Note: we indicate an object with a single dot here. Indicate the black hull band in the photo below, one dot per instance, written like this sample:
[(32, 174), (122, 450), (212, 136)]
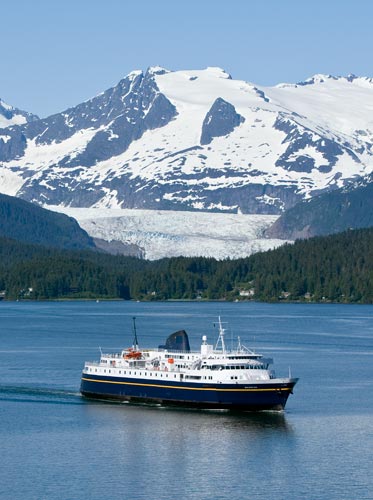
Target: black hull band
[(218, 397)]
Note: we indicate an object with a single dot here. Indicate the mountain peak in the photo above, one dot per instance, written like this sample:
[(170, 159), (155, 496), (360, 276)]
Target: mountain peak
[(157, 70), (133, 74), (318, 78), (5, 105), (218, 72), (10, 115)]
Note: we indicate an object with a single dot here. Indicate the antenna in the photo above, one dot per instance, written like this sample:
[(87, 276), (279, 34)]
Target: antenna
[(135, 341), (239, 347)]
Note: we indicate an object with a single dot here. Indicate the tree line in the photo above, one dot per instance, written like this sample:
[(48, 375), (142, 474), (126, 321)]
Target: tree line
[(337, 268)]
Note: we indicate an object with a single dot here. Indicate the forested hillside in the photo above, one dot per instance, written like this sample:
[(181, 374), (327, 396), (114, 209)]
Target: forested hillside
[(327, 213), (336, 268), (30, 223)]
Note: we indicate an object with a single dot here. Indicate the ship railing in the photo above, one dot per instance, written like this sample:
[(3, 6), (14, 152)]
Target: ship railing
[(116, 355), (162, 349)]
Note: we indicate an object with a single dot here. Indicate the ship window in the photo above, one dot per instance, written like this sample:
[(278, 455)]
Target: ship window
[(96, 370), (104, 371), (109, 371), (120, 371)]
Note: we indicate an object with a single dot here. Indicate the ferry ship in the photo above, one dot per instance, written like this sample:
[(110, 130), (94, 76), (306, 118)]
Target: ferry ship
[(174, 375)]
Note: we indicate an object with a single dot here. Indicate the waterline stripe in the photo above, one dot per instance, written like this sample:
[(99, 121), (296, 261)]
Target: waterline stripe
[(189, 388)]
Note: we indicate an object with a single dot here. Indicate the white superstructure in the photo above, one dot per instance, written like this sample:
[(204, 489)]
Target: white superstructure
[(209, 364)]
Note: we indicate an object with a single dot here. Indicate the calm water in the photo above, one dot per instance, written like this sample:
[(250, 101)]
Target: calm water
[(54, 445)]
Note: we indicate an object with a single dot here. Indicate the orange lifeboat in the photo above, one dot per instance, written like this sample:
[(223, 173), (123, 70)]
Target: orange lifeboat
[(133, 354)]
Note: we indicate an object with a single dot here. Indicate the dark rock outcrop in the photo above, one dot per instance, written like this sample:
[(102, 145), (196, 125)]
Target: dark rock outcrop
[(221, 120)]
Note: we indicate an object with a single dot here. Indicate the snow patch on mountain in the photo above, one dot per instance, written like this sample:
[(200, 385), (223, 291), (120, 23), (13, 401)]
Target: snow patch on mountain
[(171, 234), (10, 182)]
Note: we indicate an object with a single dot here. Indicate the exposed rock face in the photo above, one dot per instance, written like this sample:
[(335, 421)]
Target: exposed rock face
[(115, 247), (118, 117), (221, 120)]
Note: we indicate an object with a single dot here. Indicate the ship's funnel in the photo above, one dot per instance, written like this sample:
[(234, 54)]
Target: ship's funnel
[(177, 341)]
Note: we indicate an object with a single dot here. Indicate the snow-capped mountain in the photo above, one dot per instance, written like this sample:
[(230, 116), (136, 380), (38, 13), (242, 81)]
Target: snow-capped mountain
[(195, 140), (13, 116)]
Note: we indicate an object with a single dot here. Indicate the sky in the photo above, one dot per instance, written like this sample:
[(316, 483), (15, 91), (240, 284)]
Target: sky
[(58, 53)]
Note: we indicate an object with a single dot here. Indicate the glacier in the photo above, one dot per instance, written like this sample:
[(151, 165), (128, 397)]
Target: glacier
[(160, 234)]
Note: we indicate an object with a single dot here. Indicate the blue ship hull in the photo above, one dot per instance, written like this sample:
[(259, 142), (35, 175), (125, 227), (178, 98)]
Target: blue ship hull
[(250, 397)]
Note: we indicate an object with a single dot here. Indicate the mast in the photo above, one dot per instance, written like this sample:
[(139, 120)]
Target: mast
[(135, 344), (221, 337)]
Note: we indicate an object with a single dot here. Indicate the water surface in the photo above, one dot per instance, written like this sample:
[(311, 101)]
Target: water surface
[(59, 446)]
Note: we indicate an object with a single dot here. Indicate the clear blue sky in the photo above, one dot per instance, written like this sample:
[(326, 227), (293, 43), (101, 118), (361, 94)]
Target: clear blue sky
[(57, 53)]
